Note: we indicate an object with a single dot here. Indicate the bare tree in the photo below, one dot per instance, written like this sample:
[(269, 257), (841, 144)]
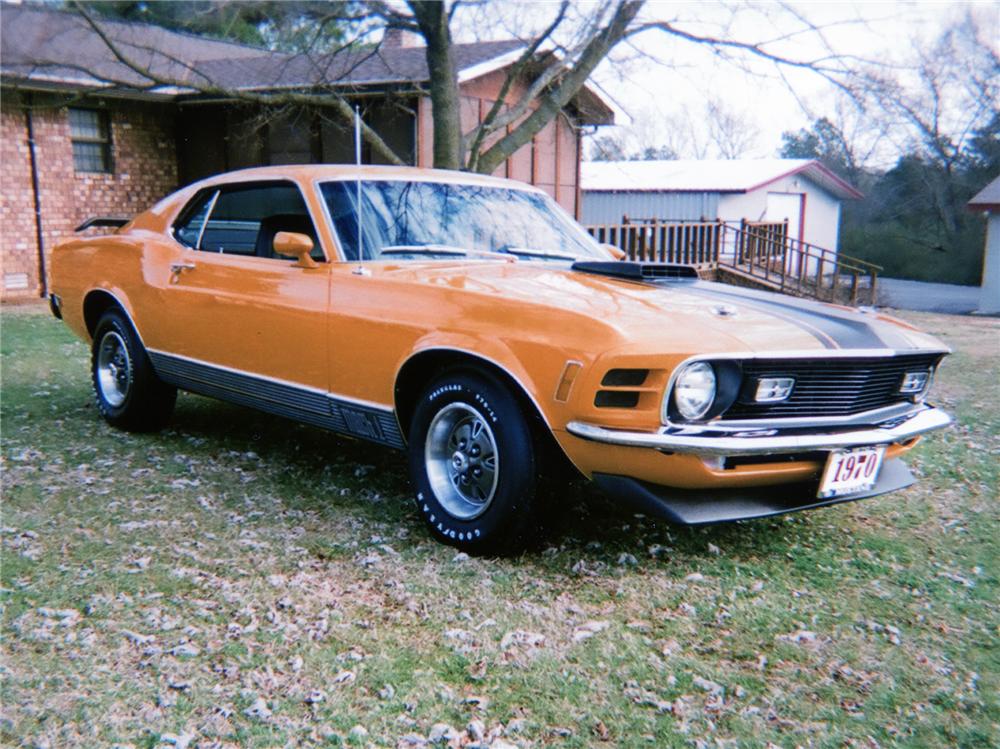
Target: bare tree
[(951, 93), (953, 88), (721, 131), (850, 139), (646, 138), (147, 67), (858, 136), (555, 63), (731, 133)]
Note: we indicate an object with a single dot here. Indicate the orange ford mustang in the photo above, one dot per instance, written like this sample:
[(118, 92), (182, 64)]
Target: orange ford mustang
[(470, 322)]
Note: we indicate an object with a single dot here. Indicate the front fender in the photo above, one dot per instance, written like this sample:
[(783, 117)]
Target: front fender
[(495, 353)]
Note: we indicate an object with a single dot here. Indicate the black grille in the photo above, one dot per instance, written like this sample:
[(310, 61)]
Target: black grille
[(625, 377), (635, 271), (663, 270), (828, 387), (616, 399)]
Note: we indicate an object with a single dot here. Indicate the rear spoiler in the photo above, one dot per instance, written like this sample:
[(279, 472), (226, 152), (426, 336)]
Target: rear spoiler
[(116, 221)]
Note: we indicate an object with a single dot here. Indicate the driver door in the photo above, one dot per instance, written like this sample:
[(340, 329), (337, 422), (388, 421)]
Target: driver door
[(239, 321)]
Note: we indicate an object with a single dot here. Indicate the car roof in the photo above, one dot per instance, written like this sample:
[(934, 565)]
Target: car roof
[(321, 172)]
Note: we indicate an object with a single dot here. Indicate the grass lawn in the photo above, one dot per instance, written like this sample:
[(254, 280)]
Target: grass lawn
[(239, 580)]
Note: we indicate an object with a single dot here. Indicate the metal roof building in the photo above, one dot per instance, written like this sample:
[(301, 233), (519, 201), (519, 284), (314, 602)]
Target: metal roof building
[(988, 202), (802, 191)]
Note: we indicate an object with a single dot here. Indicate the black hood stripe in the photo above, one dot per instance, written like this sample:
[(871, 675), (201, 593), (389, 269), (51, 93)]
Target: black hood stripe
[(799, 322), (831, 328)]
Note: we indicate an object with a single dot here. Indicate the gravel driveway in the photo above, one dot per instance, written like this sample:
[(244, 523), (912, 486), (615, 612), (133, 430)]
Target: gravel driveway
[(927, 297)]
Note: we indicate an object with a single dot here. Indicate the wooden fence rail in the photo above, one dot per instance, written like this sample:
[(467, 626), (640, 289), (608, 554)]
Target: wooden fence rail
[(688, 243)]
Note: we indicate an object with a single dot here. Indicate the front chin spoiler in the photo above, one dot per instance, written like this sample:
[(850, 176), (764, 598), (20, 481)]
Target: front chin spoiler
[(704, 506)]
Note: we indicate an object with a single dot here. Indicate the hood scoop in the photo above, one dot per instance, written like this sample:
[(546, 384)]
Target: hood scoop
[(635, 271)]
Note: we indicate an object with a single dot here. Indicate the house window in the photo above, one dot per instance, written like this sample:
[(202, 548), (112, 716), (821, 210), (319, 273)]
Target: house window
[(91, 136)]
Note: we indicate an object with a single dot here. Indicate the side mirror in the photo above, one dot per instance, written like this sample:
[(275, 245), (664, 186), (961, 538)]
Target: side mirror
[(616, 252), (293, 244)]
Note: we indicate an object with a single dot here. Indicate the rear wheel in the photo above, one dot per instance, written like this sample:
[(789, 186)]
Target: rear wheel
[(128, 393), (472, 463)]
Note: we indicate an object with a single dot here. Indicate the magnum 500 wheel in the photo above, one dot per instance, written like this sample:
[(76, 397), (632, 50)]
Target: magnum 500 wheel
[(129, 395), (472, 463)]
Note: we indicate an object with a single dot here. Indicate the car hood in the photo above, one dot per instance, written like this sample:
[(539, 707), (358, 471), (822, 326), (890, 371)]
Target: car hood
[(704, 316)]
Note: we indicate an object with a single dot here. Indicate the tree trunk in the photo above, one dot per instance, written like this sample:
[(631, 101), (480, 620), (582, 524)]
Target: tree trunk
[(432, 17)]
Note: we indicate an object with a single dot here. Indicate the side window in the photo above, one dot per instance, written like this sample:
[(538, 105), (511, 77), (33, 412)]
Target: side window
[(234, 222), (243, 219)]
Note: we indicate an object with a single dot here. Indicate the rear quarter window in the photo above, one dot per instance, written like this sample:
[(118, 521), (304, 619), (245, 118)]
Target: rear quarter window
[(187, 230)]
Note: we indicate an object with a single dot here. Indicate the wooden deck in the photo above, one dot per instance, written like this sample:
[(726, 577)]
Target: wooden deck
[(760, 254)]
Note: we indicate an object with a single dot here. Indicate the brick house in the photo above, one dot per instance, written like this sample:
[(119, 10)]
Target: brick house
[(73, 145)]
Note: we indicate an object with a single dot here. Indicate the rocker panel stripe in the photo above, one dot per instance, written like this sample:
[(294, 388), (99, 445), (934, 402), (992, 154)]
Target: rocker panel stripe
[(281, 399)]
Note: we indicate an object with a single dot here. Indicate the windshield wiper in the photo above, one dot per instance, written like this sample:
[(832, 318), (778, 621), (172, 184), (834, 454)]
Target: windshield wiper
[(531, 252), (423, 249)]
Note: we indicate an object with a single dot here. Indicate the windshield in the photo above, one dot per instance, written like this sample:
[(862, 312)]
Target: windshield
[(405, 220)]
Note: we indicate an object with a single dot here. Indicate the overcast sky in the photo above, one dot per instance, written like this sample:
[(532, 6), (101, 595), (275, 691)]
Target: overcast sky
[(656, 96)]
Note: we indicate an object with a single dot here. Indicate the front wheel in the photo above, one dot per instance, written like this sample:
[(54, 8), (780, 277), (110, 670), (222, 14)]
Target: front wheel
[(128, 393), (472, 463)]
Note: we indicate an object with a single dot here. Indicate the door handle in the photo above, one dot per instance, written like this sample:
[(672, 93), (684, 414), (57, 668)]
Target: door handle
[(177, 268)]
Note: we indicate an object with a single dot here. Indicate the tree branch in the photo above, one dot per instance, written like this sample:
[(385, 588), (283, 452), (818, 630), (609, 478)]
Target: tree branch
[(330, 100), (489, 123), (552, 101), (831, 74)]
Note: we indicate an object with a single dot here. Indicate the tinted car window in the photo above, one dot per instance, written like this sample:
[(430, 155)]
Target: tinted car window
[(243, 219), (235, 221), (471, 217)]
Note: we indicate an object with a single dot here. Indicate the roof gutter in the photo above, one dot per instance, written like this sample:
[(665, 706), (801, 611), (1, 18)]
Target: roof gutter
[(55, 85), (192, 99)]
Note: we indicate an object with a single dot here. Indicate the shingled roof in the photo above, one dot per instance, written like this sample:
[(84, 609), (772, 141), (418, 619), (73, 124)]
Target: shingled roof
[(43, 48), (350, 67), (53, 48)]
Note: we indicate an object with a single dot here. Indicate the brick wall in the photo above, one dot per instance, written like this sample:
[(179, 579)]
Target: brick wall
[(144, 160), (18, 247)]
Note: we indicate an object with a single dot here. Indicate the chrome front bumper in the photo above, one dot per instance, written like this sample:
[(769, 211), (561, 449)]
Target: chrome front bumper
[(703, 440)]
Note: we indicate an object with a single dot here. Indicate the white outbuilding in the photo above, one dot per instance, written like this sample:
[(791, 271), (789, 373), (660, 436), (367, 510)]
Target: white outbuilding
[(802, 191), (988, 202)]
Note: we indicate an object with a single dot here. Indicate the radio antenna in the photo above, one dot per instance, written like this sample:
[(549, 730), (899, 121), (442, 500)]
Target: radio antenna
[(357, 161)]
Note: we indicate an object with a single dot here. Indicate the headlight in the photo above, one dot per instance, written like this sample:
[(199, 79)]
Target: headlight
[(694, 390)]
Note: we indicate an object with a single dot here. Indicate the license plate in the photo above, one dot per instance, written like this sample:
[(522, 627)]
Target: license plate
[(851, 471)]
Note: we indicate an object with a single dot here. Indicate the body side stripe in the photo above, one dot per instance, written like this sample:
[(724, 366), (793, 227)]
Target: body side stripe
[(310, 405)]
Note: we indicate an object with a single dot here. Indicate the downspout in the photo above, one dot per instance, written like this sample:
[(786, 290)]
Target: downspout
[(579, 130), (578, 208), (555, 124), (37, 200)]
